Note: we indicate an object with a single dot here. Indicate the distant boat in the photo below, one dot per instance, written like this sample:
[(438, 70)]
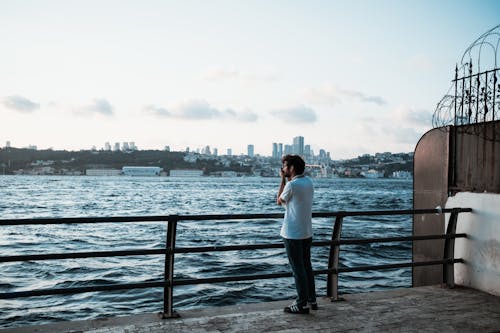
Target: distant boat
[(372, 174)]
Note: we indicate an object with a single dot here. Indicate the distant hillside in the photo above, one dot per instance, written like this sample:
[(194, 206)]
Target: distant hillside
[(13, 159)]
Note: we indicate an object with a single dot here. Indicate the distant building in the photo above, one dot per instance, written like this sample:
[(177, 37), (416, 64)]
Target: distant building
[(275, 150), (288, 149), (298, 145), (372, 174), (167, 148), (107, 146), (125, 146), (229, 152), (7, 144), (401, 174), (132, 145), (103, 172), (206, 151), (250, 150), (186, 173), (307, 150), (280, 150), (216, 152), (141, 171), (117, 146)]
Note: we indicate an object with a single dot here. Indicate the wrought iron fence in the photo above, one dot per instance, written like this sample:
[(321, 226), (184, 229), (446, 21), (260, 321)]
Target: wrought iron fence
[(169, 281), (474, 96)]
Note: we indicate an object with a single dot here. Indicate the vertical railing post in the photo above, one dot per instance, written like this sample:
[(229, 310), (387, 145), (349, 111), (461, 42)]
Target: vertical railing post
[(168, 292), (455, 121), (332, 285), (449, 250)]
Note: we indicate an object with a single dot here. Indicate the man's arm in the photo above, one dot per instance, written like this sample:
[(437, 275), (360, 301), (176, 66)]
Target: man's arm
[(279, 201), (282, 186)]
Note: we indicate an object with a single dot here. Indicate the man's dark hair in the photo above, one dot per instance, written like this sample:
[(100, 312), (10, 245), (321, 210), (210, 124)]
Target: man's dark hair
[(298, 163)]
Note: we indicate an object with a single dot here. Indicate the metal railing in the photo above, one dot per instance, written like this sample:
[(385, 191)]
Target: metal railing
[(170, 250)]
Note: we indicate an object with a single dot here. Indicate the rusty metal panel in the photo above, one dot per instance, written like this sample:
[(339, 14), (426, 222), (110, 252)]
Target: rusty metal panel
[(476, 158), (430, 189)]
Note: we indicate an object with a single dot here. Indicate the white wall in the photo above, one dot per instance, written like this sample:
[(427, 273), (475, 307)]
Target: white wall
[(481, 250)]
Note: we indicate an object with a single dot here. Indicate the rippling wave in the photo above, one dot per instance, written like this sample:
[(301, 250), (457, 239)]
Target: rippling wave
[(30, 197)]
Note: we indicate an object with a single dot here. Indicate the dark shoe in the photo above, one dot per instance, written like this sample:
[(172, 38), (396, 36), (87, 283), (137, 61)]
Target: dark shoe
[(313, 305), (296, 309)]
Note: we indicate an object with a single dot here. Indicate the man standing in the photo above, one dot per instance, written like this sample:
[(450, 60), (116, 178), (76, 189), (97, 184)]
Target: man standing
[(297, 196)]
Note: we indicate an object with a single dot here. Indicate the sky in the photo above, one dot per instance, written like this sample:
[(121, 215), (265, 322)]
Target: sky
[(351, 77)]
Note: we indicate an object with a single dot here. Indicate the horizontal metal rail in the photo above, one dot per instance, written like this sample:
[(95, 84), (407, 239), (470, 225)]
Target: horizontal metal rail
[(202, 249), (163, 218)]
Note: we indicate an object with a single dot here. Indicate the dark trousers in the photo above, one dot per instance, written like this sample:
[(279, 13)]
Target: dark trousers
[(299, 256)]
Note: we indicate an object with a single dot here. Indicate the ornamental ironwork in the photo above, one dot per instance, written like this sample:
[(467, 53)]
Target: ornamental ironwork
[(474, 95)]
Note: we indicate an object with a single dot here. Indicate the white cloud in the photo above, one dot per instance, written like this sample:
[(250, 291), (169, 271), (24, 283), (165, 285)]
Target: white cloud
[(410, 116), (98, 106), (201, 110), (244, 116), (20, 104), (157, 111), (329, 94), (407, 135), (197, 110), (298, 114)]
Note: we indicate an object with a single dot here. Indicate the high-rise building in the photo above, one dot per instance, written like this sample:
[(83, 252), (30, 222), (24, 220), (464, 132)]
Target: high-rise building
[(117, 146), (280, 150), (206, 151), (7, 144), (132, 145), (250, 150), (307, 151), (107, 146), (298, 145), (275, 150), (288, 149), (125, 146), (216, 152), (229, 152)]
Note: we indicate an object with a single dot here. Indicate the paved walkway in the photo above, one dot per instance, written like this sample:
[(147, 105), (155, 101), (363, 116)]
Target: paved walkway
[(423, 309)]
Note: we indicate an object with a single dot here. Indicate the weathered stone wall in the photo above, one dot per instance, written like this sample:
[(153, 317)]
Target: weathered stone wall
[(481, 248)]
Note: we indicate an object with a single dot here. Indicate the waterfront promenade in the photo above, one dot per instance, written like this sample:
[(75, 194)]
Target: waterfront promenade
[(422, 309)]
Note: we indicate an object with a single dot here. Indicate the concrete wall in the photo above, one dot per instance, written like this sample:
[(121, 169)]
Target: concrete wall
[(481, 248)]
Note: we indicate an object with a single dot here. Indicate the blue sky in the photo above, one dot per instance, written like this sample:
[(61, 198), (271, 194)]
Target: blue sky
[(352, 77)]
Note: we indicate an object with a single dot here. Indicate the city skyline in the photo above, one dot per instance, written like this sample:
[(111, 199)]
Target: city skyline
[(298, 147), (352, 77)]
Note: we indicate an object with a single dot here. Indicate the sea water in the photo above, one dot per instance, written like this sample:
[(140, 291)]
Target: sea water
[(62, 196)]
